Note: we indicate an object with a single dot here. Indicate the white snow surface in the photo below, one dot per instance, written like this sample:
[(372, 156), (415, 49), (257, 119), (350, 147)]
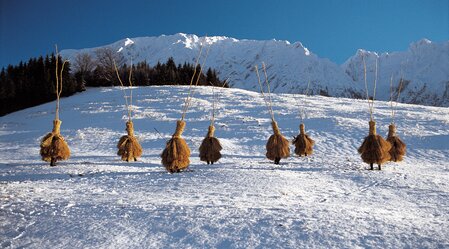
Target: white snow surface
[(291, 65), (128, 42), (328, 200)]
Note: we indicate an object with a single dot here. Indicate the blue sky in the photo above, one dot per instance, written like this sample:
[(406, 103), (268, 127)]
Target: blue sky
[(332, 29)]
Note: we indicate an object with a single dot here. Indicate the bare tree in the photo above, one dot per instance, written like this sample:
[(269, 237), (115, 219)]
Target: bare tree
[(105, 58), (84, 63)]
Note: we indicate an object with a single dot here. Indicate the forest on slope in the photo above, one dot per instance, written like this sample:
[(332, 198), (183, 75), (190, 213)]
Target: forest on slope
[(32, 83)]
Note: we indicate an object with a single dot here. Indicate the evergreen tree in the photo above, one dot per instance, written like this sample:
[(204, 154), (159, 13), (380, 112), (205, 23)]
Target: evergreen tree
[(33, 82)]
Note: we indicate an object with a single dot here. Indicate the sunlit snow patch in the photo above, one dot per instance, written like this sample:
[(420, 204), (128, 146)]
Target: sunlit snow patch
[(128, 42)]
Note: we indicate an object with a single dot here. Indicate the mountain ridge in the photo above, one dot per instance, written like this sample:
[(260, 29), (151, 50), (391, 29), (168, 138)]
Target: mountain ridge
[(290, 66)]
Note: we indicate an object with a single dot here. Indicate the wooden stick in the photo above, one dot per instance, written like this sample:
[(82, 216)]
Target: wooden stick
[(391, 98), (189, 101), (216, 97), (191, 82), (58, 89), (302, 114), (261, 90), (123, 89), (214, 101), (394, 108), (400, 85), (57, 84), (130, 88), (401, 81), (375, 86), (366, 86), (213, 105), (269, 91), (60, 85)]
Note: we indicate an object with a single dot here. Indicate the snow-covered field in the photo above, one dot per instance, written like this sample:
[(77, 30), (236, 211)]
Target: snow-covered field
[(94, 200)]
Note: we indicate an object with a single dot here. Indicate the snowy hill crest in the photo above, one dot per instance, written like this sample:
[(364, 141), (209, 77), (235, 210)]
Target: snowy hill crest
[(424, 67)]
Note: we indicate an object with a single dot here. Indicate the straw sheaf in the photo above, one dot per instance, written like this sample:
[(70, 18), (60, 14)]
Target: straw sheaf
[(128, 146), (175, 156), (53, 145), (210, 147), (210, 131), (277, 145), (303, 143), (180, 126), (57, 126), (398, 147), (374, 148)]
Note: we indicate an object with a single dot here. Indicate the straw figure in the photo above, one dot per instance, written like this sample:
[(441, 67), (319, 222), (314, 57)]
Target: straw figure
[(175, 156), (398, 147), (53, 146), (303, 143), (210, 147), (374, 148), (277, 145), (128, 146)]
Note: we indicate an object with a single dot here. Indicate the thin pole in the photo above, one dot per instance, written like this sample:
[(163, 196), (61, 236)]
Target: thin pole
[(375, 86), (191, 82), (130, 89), (391, 98), (215, 97), (57, 84), (58, 89), (397, 99), (261, 91), (189, 101), (123, 89), (303, 111), (370, 104), (269, 91), (213, 105)]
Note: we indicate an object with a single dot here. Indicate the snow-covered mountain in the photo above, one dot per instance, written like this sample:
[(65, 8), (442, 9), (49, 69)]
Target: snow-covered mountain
[(291, 66), (424, 68), (328, 200)]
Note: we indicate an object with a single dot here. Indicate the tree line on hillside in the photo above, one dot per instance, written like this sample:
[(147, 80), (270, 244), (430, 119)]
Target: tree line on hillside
[(32, 83)]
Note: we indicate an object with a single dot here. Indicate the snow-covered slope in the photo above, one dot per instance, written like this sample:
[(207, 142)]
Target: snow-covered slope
[(329, 200), (424, 67), (290, 66)]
